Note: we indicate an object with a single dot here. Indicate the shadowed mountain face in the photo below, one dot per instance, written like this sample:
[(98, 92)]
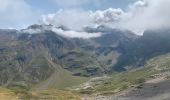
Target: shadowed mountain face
[(151, 44)]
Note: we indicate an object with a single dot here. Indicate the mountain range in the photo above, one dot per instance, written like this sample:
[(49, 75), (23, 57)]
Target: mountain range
[(38, 58)]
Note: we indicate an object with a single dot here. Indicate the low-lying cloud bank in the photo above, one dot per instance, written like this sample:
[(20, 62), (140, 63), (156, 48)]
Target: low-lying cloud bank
[(75, 34), (37, 29), (139, 16)]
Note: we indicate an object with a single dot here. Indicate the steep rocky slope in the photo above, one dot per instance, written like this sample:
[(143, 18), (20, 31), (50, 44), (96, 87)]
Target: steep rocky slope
[(152, 43)]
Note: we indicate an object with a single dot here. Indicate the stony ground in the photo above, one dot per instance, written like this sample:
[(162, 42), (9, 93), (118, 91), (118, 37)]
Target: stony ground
[(152, 90)]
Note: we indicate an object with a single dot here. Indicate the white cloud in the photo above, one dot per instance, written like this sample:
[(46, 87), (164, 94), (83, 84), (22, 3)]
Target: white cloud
[(32, 31), (16, 13), (74, 19), (75, 34), (107, 16), (140, 16), (147, 14), (137, 5), (37, 29), (77, 19)]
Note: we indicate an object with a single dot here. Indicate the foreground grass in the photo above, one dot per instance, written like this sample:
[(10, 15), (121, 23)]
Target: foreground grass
[(7, 94), (56, 95)]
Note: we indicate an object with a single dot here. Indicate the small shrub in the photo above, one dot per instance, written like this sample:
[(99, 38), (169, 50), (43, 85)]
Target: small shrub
[(124, 87), (140, 86), (139, 81)]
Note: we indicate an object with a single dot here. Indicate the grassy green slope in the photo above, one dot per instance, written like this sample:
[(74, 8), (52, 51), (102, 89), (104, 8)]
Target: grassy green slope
[(60, 79)]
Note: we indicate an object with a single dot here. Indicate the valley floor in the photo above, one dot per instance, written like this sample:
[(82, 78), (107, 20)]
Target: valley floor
[(155, 89)]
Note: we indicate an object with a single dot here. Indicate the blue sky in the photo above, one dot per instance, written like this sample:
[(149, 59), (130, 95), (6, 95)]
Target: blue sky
[(48, 6)]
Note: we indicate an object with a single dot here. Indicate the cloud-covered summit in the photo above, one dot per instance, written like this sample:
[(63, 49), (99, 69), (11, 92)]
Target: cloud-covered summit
[(139, 16), (60, 30)]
